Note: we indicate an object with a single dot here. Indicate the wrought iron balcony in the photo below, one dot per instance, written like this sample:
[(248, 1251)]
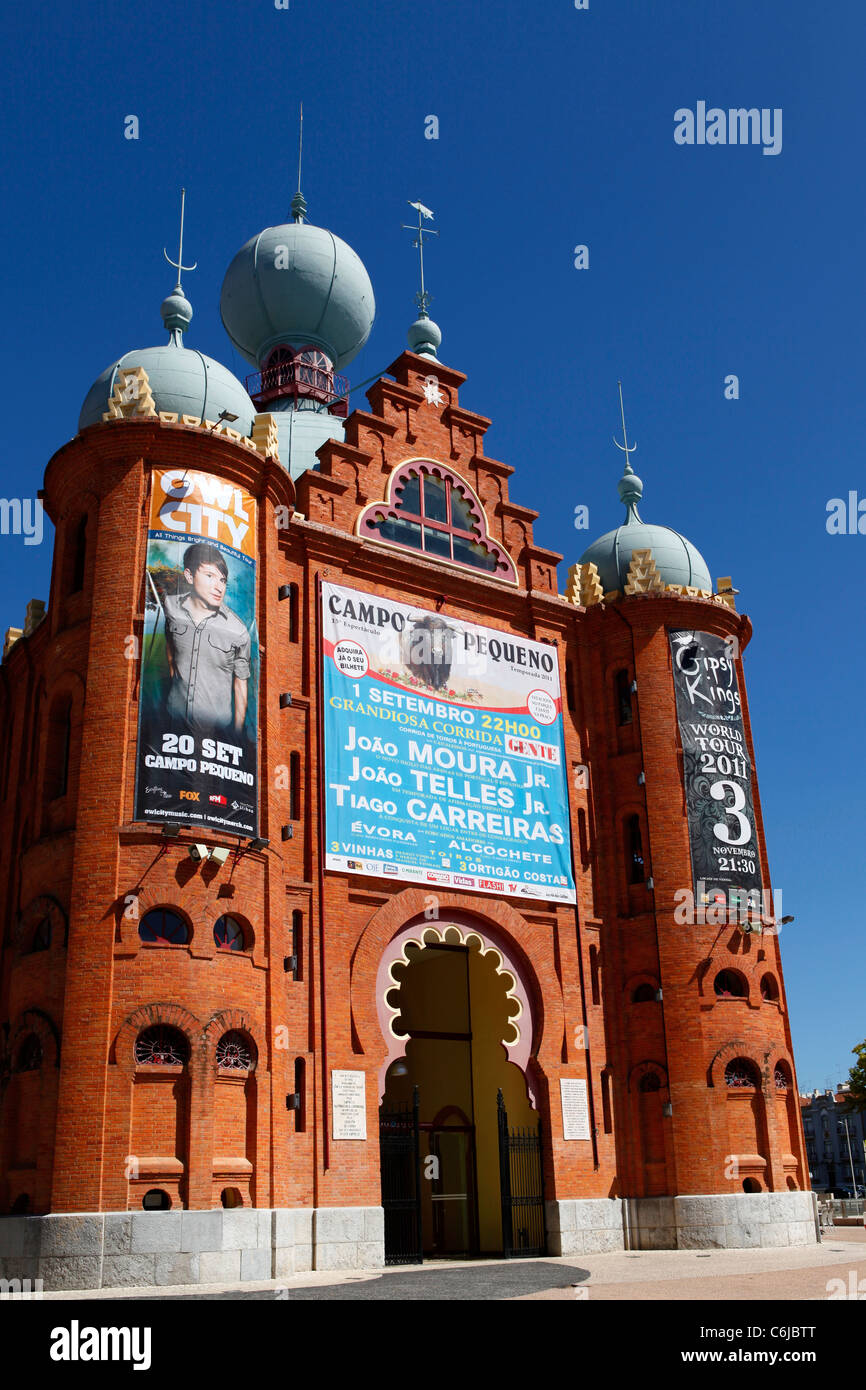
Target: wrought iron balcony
[(301, 380)]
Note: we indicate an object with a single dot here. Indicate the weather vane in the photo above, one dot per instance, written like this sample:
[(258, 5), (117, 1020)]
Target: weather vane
[(299, 204), (178, 264), (625, 446), (422, 299)]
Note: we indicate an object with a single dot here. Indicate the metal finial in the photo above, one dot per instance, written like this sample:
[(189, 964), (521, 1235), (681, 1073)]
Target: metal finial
[(178, 264), (422, 299), (299, 204), (625, 446)]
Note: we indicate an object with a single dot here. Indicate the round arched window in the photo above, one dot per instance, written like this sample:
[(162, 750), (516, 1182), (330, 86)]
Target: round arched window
[(742, 1073), (644, 994), (42, 935), (650, 1082), (235, 1052), (156, 1200), (161, 1047), (729, 985), (229, 934), (29, 1054), (781, 1079), (769, 989), (162, 927)]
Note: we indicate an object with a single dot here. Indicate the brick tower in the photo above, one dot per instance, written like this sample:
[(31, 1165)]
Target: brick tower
[(237, 989)]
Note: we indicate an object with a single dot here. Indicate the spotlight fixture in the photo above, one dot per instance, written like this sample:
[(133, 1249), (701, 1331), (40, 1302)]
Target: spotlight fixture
[(783, 921), (222, 419), (198, 852), (667, 1108), (633, 687), (285, 699), (287, 832), (293, 1100), (220, 855), (641, 779), (259, 843), (171, 832), (284, 591), (650, 885)]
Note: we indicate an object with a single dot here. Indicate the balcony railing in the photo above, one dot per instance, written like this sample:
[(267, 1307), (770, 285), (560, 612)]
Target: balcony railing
[(300, 380)]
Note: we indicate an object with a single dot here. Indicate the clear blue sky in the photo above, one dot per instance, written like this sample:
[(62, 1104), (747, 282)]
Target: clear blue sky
[(556, 129)]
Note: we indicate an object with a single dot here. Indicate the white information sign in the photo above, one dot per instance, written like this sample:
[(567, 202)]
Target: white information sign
[(575, 1109), (349, 1105)]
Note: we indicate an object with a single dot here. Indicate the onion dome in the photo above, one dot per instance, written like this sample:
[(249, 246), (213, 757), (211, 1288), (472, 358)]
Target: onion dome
[(182, 380), (298, 286), (676, 559)]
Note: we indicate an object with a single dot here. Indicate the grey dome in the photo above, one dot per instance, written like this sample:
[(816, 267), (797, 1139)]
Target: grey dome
[(181, 380), (300, 285), (676, 559)]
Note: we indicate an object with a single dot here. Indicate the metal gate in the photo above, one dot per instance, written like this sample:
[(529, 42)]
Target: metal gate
[(401, 1186), (521, 1176)]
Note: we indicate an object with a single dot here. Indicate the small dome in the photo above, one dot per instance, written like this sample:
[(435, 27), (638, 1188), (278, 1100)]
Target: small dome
[(181, 380), (425, 336), (676, 559), (299, 285)]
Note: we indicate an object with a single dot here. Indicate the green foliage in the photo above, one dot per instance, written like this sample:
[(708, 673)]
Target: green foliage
[(857, 1079)]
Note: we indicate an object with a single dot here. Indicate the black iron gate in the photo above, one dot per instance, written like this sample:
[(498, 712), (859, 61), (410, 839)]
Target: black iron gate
[(521, 1176), (401, 1185)]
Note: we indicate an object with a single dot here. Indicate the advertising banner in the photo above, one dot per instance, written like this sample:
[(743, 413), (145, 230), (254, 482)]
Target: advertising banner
[(198, 692), (718, 771), (444, 751)]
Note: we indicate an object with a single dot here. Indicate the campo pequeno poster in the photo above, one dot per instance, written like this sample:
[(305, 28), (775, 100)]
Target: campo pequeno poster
[(444, 751)]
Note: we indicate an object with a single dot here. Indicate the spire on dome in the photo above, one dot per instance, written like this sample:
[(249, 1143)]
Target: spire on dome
[(630, 487), (425, 336), (299, 202), (176, 310)]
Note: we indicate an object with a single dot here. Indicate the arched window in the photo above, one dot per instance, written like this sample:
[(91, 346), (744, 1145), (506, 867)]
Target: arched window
[(644, 994), (235, 1052), (41, 939), (624, 714), (769, 989), (160, 1046), (730, 985), (231, 1197), (57, 753), (300, 1095), (781, 1076), (751, 1185), (634, 850), (29, 1054), (650, 1082), (229, 934), (297, 944), (156, 1200), (162, 927), (742, 1073), (79, 556), (432, 509)]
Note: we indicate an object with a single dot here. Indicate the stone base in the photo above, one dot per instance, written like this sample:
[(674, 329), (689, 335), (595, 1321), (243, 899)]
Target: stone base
[(589, 1226), (147, 1249), (738, 1221)]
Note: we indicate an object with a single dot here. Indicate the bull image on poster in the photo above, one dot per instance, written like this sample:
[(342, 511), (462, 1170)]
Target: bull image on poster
[(717, 767), (444, 751), (198, 692)]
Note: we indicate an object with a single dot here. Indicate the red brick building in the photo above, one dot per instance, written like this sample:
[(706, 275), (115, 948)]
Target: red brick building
[(171, 1025)]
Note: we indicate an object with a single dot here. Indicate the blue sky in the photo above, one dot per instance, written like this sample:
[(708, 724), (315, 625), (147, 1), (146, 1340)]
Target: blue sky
[(555, 129)]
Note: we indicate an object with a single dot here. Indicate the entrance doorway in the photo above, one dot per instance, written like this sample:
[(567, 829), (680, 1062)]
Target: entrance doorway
[(456, 1013)]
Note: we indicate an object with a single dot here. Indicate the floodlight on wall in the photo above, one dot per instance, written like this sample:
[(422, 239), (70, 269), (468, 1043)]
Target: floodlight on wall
[(284, 591), (220, 855), (171, 832), (198, 852), (641, 779), (259, 843), (293, 1100), (667, 1108), (285, 699), (650, 885), (222, 419), (287, 832), (633, 687)]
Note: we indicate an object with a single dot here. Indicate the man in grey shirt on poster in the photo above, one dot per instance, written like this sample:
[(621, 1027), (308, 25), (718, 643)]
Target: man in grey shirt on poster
[(208, 649)]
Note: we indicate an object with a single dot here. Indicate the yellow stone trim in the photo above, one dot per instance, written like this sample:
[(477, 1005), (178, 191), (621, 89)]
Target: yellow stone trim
[(266, 438), (131, 397), (643, 576)]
